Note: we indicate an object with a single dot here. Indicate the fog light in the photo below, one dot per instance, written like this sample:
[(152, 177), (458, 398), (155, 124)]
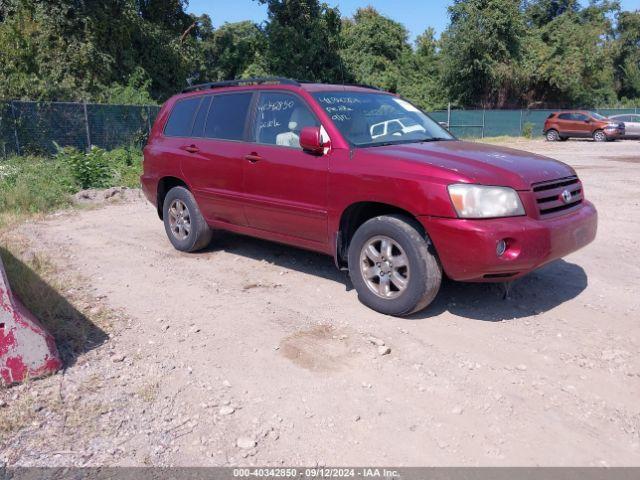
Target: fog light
[(501, 247)]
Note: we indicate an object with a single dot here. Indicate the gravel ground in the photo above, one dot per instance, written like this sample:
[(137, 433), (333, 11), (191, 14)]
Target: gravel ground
[(253, 353)]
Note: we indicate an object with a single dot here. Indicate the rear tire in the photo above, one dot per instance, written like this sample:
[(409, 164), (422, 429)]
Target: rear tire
[(186, 228), (552, 135), (599, 136), (401, 289)]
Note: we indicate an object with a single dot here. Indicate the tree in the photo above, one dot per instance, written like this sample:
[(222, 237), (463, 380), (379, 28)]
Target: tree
[(481, 51), (70, 50), (302, 40), (374, 48), (540, 12), (233, 51), (627, 55), (420, 73), (569, 59)]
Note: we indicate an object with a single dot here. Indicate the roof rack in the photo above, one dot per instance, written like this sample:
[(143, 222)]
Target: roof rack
[(242, 81), (361, 85)]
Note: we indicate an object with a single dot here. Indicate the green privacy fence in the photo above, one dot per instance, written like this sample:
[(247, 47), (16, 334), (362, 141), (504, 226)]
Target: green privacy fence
[(36, 127), (494, 123)]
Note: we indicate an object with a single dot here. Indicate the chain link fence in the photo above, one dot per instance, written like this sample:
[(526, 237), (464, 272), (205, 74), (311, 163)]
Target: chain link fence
[(34, 128), (513, 123)]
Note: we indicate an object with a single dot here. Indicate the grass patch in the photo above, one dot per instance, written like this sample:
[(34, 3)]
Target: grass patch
[(32, 185)]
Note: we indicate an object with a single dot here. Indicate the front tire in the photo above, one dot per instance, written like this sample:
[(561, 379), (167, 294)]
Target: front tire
[(185, 226), (599, 136), (393, 267)]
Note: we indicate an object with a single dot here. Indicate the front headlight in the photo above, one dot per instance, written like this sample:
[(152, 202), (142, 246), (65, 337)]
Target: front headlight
[(480, 201)]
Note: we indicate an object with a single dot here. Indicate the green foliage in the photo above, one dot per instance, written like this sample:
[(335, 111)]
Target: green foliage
[(89, 170), (627, 54), (126, 165), (232, 51), (566, 63), (527, 130), (494, 53), (33, 184), (481, 50), (302, 40), (99, 168), (135, 92), (374, 48)]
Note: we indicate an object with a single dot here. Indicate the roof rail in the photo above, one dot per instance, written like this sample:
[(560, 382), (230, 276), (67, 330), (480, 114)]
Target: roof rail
[(363, 85), (242, 81)]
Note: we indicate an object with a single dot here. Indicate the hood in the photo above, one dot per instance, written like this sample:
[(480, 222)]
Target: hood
[(481, 163)]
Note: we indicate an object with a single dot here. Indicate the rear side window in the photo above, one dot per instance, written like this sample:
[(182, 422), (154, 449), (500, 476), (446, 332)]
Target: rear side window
[(201, 117), (181, 118), (228, 116)]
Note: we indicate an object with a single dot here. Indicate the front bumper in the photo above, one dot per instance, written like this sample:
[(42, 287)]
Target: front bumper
[(467, 248), (614, 132)]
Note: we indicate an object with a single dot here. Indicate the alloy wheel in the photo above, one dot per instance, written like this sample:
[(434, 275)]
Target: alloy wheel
[(384, 266), (179, 219)]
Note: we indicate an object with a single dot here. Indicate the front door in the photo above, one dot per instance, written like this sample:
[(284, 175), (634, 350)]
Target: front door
[(285, 187)]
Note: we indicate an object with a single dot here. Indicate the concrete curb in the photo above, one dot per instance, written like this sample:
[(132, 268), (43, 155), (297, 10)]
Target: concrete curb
[(27, 350)]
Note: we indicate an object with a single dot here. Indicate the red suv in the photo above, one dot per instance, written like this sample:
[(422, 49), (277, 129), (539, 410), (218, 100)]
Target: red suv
[(304, 164), (581, 124)]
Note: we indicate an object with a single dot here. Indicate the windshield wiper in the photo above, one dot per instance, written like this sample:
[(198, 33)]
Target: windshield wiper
[(433, 139)]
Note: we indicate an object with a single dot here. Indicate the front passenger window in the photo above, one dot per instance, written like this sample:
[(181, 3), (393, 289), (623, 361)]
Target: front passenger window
[(280, 117)]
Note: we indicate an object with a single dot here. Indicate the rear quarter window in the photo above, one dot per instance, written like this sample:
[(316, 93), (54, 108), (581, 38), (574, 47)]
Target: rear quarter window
[(181, 118), (565, 116)]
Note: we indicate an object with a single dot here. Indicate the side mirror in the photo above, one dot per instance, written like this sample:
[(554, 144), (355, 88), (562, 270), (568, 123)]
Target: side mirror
[(311, 141), (444, 124)]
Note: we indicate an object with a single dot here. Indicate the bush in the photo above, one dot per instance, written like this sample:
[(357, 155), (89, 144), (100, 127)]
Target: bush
[(90, 170), (100, 168), (527, 130), (127, 167), (34, 184)]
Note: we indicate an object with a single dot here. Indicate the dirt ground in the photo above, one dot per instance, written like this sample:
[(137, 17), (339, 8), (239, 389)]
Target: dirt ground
[(253, 353)]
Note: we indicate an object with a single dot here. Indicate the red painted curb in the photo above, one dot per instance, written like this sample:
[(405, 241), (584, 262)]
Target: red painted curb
[(27, 350)]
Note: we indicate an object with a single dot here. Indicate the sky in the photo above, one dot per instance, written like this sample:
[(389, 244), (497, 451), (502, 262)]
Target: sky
[(415, 15)]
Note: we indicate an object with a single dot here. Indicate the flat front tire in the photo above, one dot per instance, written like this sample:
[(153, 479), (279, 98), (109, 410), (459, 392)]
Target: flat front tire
[(186, 228), (393, 266)]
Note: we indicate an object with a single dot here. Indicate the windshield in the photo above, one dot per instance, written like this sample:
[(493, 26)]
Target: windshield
[(597, 116), (373, 119)]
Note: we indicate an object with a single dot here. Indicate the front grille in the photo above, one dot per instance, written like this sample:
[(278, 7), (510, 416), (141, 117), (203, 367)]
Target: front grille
[(550, 199)]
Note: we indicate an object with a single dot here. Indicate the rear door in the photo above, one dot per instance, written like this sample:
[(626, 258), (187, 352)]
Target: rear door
[(285, 187), (565, 123), (214, 167)]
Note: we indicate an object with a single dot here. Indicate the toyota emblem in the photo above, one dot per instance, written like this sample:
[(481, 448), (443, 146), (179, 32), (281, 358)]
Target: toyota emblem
[(566, 196)]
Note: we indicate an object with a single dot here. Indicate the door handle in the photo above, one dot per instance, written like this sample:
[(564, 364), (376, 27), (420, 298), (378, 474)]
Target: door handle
[(191, 148), (253, 157)]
